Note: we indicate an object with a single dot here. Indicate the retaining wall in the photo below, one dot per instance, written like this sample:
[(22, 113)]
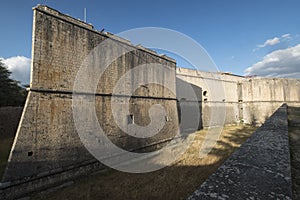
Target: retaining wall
[(259, 169), (9, 120)]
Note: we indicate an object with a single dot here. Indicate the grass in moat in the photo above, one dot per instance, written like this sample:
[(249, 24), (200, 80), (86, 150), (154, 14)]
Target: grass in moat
[(173, 182)]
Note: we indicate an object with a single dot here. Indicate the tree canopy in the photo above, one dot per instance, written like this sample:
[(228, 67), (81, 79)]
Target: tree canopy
[(11, 93)]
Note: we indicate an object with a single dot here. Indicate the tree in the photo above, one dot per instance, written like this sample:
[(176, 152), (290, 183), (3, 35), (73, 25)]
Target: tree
[(11, 93)]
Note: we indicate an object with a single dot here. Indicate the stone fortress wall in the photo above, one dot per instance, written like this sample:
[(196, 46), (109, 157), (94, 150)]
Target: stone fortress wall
[(246, 100), (47, 148), (47, 141)]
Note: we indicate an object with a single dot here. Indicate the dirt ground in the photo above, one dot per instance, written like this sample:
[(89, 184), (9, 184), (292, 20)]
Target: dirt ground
[(174, 182), (294, 135)]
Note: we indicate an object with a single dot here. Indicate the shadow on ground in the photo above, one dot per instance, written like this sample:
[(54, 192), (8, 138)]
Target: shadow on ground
[(175, 182)]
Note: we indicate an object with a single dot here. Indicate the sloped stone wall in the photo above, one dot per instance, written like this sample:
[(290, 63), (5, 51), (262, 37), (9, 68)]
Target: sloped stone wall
[(47, 140)]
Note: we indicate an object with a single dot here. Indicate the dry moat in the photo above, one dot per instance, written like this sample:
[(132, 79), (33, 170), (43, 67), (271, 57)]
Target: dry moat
[(175, 182)]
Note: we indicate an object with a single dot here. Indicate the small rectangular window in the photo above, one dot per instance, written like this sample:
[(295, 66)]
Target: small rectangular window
[(166, 118), (130, 119)]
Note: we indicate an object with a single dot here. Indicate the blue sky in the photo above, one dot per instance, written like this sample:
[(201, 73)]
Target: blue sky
[(242, 37)]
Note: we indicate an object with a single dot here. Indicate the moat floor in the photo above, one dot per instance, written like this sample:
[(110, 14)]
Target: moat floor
[(175, 182), (294, 135)]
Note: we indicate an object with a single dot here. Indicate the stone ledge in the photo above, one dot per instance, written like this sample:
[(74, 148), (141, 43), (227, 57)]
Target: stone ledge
[(259, 169), (53, 12)]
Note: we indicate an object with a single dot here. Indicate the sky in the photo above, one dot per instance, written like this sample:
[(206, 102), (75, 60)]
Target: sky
[(257, 37)]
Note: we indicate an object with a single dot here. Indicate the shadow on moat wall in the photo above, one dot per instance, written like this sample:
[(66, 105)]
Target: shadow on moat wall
[(9, 120), (188, 104)]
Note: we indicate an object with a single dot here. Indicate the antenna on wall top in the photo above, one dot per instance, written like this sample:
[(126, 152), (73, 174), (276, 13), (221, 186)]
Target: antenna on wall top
[(84, 13)]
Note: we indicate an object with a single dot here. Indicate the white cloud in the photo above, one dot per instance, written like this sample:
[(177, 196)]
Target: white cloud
[(286, 35), (20, 68), (279, 63), (274, 41), (270, 42)]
